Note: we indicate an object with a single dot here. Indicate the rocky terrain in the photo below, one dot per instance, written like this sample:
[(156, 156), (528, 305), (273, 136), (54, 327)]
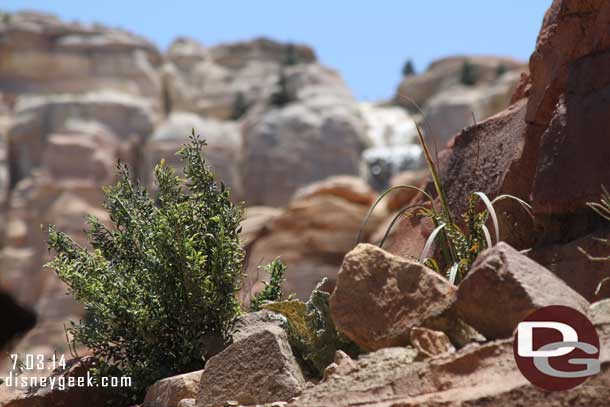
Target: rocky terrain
[(285, 134)]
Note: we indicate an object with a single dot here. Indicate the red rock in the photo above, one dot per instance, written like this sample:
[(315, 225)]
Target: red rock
[(504, 286), (379, 297)]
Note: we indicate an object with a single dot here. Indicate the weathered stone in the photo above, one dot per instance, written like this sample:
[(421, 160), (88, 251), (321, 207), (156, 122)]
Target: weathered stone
[(311, 236), (130, 119), (208, 81), (430, 343), (445, 73), (342, 365), (258, 369), (255, 223), (187, 403), (478, 375), (379, 297), (504, 286), (170, 391), (222, 152), (41, 54), (255, 322), (351, 188), (317, 135)]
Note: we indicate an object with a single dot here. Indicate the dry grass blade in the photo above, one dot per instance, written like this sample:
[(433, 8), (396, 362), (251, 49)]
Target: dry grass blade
[(453, 273), (398, 216), (492, 213), (380, 198), (487, 235), (428, 246), (525, 205)]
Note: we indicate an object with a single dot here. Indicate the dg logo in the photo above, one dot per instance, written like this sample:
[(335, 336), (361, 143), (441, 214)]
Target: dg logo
[(556, 348)]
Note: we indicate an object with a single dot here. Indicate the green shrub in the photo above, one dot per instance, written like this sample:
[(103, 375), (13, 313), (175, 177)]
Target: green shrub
[(281, 97), (311, 331), (291, 56), (408, 68), (240, 106), (460, 242), (273, 289), (159, 287), (469, 75)]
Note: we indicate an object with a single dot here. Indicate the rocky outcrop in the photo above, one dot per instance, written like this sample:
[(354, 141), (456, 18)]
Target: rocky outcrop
[(446, 73), (109, 115), (257, 369), (322, 121), (209, 81), (451, 110), (380, 297), (41, 54), (504, 286), (547, 148), (223, 149), (310, 236)]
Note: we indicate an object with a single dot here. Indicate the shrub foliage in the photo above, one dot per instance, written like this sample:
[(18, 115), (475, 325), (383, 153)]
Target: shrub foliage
[(159, 287), (273, 289)]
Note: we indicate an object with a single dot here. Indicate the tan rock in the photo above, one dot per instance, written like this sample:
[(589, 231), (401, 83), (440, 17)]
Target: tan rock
[(311, 236), (42, 54), (351, 188), (318, 135), (504, 286), (223, 150), (170, 391), (379, 297), (258, 369), (430, 343)]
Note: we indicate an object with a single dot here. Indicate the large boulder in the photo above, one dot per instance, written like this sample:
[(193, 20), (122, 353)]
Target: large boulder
[(452, 109), (209, 81), (130, 119), (257, 369), (317, 135), (41, 54), (379, 297), (504, 286), (310, 236), (222, 151)]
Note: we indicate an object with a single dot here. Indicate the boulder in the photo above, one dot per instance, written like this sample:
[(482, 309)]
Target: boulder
[(255, 223), (445, 73), (504, 286), (222, 151), (576, 268), (351, 188), (258, 369), (430, 343), (319, 134), (255, 322), (451, 110), (311, 236), (342, 365), (170, 391), (380, 297), (42, 54), (187, 403), (208, 81), (17, 319), (128, 118), (402, 197)]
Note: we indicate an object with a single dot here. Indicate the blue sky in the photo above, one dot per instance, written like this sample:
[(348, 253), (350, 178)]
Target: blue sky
[(367, 41)]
